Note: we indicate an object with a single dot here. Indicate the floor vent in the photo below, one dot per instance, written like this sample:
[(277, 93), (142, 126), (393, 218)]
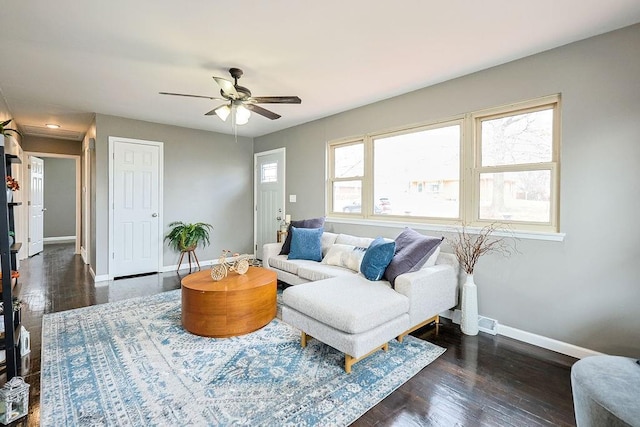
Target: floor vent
[(485, 324)]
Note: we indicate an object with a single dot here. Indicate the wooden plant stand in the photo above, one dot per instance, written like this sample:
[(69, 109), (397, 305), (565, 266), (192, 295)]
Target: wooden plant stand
[(189, 252)]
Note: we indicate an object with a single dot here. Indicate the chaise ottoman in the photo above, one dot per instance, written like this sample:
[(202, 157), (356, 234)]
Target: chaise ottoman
[(351, 314)]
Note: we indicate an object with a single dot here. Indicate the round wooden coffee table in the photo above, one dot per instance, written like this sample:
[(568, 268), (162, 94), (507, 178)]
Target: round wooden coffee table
[(236, 305)]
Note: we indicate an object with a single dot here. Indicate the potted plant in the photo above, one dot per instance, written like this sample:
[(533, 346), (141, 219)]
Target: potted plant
[(186, 237), (469, 246), (4, 129)]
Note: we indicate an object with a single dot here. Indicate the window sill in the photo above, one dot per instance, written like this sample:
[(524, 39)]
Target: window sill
[(520, 234)]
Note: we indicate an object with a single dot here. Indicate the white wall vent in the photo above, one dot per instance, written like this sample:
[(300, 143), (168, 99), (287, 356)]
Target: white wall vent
[(488, 325), (485, 324)]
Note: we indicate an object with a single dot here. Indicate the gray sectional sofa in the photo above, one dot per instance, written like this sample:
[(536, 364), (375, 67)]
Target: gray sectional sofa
[(337, 305)]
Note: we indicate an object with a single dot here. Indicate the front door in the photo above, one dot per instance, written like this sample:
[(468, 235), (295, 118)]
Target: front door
[(269, 199), (137, 244), (36, 205)]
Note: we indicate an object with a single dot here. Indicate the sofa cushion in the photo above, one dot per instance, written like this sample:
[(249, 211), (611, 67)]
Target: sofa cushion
[(281, 262), (348, 256), (349, 303), (300, 223), (412, 252), (321, 271), (377, 258), (347, 239), (305, 243)]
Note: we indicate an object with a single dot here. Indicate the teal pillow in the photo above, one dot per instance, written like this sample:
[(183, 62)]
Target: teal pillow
[(377, 258), (306, 243)]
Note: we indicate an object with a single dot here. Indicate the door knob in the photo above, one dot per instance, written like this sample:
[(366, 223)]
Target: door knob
[(44, 209), (154, 214)]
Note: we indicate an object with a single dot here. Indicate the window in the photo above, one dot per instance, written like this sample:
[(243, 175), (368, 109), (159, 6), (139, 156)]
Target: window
[(346, 177), (494, 165), (515, 171), (408, 163), (269, 173)]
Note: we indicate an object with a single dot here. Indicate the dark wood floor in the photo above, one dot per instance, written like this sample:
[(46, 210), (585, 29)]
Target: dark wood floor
[(479, 381)]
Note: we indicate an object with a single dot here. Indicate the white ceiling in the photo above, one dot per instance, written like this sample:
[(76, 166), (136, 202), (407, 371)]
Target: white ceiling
[(61, 61)]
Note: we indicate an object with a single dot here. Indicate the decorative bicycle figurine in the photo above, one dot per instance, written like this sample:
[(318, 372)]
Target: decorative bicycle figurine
[(240, 265)]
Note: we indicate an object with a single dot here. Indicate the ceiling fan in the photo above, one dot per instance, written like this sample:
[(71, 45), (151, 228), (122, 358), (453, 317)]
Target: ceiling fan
[(240, 103)]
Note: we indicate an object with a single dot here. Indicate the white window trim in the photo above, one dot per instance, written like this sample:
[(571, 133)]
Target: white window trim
[(472, 184), (451, 228)]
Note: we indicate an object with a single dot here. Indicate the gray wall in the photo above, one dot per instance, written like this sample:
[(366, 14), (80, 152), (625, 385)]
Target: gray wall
[(39, 144), (59, 197), (208, 177), (584, 290)]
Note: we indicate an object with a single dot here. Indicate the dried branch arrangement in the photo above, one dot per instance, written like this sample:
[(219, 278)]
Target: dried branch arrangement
[(470, 246)]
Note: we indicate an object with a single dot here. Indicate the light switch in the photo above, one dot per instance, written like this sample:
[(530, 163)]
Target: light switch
[(292, 198)]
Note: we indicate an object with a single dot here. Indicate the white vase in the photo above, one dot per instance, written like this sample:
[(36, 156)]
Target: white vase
[(469, 321), (9, 195)]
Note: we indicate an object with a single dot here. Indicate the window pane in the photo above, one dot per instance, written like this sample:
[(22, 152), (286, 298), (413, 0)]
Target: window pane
[(347, 196), (269, 172), (523, 138), (517, 196), (349, 161), (418, 174)]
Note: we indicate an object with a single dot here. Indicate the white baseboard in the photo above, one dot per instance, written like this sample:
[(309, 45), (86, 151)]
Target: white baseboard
[(545, 342), (185, 265), (533, 339), (100, 278), (59, 239), (83, 254), (206, 263)]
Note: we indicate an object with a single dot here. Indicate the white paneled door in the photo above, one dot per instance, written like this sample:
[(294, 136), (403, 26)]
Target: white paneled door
[(36, 205), (137, 242), (269, 183)]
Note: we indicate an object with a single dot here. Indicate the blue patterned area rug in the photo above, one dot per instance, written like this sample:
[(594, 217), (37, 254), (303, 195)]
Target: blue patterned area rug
[(131, 363)]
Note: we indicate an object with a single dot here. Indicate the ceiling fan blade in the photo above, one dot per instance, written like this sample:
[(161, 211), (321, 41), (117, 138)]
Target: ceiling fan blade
[(213, 112), (191, 96), (227, 87), (276, 99), (262, 111)]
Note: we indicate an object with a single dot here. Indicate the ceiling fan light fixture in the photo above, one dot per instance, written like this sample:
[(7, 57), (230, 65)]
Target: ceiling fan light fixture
[(223, 112), (242, 115)]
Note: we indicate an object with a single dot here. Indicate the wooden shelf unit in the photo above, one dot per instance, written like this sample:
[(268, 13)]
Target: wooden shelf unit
[(10, 338)]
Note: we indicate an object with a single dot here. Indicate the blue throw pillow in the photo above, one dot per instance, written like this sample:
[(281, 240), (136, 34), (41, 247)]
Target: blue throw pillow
[(301, 223), (377, 258), (306, 243)]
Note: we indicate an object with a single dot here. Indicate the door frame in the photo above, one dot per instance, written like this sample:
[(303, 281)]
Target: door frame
[(24, 251), (112, 142), (282, 150), (88, 146)]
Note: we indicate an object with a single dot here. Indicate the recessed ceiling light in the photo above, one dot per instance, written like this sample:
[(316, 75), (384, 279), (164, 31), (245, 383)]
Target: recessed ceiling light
[(52, 126)]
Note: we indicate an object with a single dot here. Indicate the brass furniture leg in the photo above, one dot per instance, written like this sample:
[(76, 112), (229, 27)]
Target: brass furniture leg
[(350, 360), (435, 318)]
